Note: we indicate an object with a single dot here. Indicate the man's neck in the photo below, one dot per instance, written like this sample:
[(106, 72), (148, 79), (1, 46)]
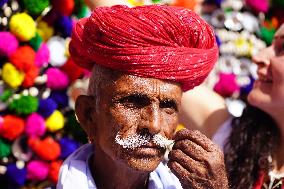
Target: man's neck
[(108, 174)]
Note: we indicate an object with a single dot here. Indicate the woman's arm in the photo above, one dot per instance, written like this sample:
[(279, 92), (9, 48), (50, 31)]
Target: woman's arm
[(204, 110)]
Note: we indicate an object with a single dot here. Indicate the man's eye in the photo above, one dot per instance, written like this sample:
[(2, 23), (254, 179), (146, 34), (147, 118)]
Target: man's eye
[(169, 104), (135, 101)]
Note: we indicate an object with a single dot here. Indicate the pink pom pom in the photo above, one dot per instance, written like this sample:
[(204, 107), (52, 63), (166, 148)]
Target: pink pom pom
[(37, 170), (226, 85), (9, 43), (42, 56), (35, 125), (258, 5), (56, 79)]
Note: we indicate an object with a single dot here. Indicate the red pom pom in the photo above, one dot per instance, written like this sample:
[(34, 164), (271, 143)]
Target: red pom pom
[(47, 149), (54, 171), (30, 76), (72, 70), (12, 127), (23, 58), (65, 7)]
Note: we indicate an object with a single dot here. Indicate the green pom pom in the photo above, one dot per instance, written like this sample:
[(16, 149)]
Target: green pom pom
[(6, 95), (156, 1), (35, 7), (5, 148), (25, 105), (82, 11), (36, 41), (267, 34)]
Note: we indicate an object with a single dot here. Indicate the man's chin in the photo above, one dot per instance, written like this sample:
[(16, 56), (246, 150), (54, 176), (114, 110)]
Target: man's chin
[(144, 164), (143, 159)]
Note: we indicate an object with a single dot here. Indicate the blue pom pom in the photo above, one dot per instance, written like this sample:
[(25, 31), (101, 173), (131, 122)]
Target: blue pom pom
[(218, 41), (64, 25), (15, 176), (46, 107), (67, 147), (2, 2), (247, 88), (60, 97)]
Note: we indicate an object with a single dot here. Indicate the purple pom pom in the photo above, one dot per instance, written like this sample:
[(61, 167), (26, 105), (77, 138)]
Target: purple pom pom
[(64, 24), (46, 107), (35, 125), (16, 176), (67, 147), (2, 2), (9, 43), (37, 170), (60, 97)]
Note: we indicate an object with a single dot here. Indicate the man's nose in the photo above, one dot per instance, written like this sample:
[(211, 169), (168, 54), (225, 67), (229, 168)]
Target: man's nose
[(152, 119)]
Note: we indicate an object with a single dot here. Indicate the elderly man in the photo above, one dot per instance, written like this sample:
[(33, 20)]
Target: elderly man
[(141, 59)]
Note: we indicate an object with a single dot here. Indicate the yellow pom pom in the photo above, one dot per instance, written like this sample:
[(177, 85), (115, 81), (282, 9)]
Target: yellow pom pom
[(44, 30), (180, 127), (23, 26), (55, 121), (12, 76)]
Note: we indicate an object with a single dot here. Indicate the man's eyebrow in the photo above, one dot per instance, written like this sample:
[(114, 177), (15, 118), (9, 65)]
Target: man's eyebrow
[(279, 36)]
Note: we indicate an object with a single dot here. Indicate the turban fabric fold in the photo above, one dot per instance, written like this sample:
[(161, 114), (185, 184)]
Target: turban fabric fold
[(157, 41)]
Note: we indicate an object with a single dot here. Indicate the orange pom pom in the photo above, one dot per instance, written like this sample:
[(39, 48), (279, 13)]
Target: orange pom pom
[(12, 127), (30, 76), (47, 149), (54, 171), (23, 58)]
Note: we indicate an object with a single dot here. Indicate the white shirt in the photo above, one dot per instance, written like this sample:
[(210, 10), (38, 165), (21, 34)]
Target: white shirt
[(75, 173)]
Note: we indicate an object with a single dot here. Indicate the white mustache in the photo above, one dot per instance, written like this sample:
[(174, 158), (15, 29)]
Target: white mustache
[(138, 140)]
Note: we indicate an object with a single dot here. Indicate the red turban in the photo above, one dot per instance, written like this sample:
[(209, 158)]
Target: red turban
[(155, 41)]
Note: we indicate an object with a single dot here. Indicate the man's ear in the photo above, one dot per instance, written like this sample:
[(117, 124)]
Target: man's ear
[(85, 114)]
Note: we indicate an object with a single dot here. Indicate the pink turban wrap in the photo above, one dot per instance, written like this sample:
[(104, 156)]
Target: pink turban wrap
[(155, 41)]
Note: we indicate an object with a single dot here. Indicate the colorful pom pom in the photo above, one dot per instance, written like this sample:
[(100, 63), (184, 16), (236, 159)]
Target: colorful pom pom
[(36, 41), (227, 84), (22, 26), (68, 146), (13, 77), (258, 5), (56, 79), (37, 170), (9, 43), (55, 121), (44, 30), (60, 97), (47, 149), (46, 107), (23, 58), (12, 127), (2, 2), (35, 7), (54, 171), (15, 176), (72, 70), (24, 105), (5, 148), (35, 125), (64, 7), (57, 48), (42, 56), (64, 25), (30, 76)]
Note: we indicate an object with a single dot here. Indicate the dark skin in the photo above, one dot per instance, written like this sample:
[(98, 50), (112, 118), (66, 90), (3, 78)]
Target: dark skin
[(127, 105)]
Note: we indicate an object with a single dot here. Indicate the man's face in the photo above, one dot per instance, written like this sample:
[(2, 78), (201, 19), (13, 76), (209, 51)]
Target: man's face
[(133, 105)]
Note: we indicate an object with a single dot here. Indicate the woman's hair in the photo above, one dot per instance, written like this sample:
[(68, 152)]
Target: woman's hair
[(253, 138)]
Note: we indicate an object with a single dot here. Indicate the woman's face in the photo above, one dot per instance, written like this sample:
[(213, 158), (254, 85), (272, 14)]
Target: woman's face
[(268, 91)]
